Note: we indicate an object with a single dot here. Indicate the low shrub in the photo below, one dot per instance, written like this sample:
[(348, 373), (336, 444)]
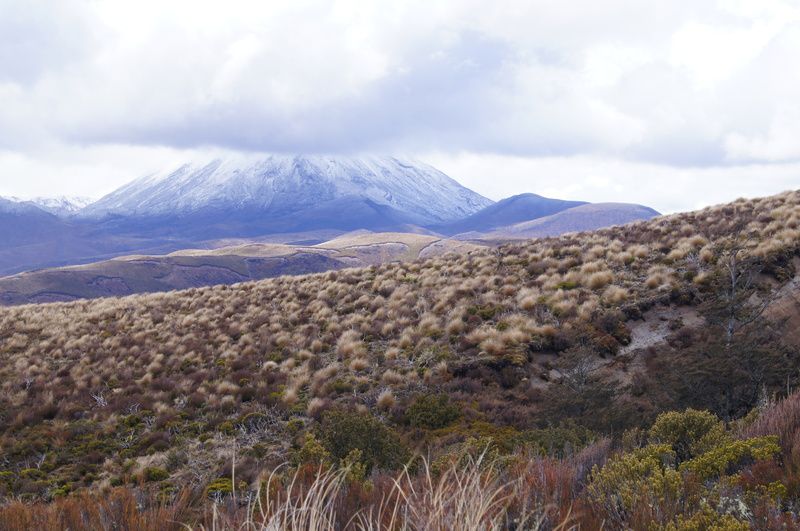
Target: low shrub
[(432, 412), (153, 474), (342, 431)]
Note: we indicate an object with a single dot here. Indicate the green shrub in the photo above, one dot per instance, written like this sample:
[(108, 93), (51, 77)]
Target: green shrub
[(343, 431), (432, 412), (60, 492), (152, 474), (644, 476), (226, 428), (220, 487), (176, 459), (486, 313), (31, 473), (7, 480), (340, 386), (728, 458), (295, 425), (356, 469), (690, 433), (473, 449), (559, 441), (707, 520), (312, 452)]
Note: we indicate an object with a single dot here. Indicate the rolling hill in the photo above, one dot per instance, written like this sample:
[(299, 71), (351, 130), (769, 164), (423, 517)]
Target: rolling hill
[(191, 268), (585, 217), (509, 211)]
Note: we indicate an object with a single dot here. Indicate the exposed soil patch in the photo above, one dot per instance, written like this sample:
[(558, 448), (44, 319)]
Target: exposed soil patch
[(659, 323)]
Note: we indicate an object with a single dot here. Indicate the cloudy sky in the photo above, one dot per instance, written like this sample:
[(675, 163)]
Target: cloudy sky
[(672, 103)]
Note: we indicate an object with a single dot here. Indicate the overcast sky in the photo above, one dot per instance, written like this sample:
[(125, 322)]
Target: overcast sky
[(675, 104)]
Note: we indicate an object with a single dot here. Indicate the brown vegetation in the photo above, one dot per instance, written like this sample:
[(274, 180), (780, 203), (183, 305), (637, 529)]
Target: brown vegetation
[(524, 340)]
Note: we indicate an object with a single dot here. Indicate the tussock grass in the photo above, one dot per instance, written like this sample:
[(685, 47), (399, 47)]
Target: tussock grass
[(104, 388)]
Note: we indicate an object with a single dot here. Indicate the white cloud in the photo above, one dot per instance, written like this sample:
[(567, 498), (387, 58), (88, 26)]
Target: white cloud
[(602, 179), (667, 85)]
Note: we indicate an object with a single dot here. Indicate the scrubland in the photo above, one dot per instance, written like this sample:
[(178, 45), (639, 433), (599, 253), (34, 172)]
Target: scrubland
[(499, 388)]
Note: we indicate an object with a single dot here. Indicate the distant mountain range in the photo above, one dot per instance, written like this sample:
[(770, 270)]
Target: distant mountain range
[(581, 218), (58, 206), (301, 201), (516, 209)]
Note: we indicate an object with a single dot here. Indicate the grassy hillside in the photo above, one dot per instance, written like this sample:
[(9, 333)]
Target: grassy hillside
[(229, 264), (553, 347)]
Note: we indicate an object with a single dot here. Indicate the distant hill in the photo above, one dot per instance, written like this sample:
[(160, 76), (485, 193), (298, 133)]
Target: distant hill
[(22, 223), (174, 264), (29, 235), (515, 209), (581, 218), (227, 265)]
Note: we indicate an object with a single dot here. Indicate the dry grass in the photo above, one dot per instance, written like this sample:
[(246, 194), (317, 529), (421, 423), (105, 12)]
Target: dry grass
[(103, 387), (470, 496), (119, 509)]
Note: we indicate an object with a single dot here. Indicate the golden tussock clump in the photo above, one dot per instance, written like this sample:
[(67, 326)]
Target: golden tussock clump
[(386, 400)]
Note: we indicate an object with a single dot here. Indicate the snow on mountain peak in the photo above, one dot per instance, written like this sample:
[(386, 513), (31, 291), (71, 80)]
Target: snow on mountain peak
[(278, 183), (58, 206), (62, 205)]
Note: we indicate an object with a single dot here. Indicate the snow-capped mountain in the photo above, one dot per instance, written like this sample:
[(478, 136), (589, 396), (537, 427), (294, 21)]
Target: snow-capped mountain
[(405, 190), (12, 205), (61, 206)]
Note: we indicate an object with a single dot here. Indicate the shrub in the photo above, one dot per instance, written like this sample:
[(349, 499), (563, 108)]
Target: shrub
[(707, 519), (432, 412), (689, 433), (559, 441), (343, 431), (219, 487), (312, 452), (725, 459), (153, 474), (643, 476)]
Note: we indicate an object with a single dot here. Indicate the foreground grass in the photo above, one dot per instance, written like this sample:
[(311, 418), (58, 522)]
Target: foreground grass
[(689, 471)]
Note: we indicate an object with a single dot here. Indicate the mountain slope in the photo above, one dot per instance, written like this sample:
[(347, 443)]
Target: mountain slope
[(26, 223), (290, 190), (585, 217), (509, 211)]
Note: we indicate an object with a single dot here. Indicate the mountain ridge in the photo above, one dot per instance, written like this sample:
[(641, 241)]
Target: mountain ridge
[(280, 185), (251, 196), (514, 209), (581, 218)]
